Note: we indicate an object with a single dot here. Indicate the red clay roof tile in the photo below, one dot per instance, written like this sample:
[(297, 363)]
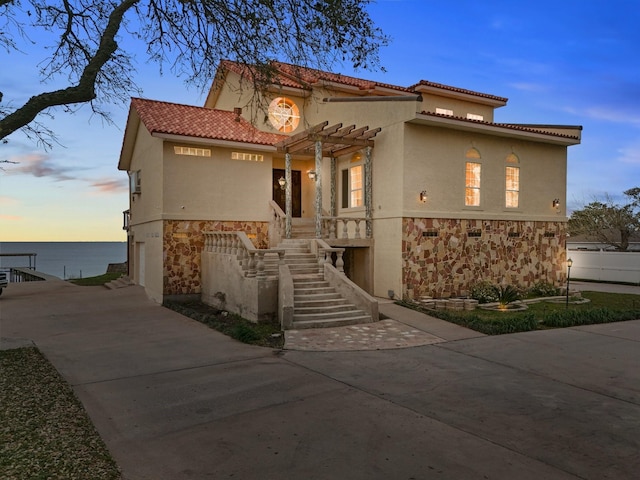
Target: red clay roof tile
[(187, 120)]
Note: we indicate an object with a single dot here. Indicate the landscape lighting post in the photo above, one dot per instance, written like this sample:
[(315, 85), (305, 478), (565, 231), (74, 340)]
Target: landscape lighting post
[(569, 263)]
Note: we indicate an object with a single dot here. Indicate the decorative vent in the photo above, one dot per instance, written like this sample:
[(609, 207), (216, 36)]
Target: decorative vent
[(193, 151), (474, 233), (513, 234), (549, 234), (430, 233), (247, 157)]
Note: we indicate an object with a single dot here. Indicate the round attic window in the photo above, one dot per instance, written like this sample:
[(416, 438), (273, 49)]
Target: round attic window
[(284, 114)]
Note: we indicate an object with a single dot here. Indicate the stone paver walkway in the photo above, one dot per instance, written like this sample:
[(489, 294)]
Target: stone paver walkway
[(385, 334)]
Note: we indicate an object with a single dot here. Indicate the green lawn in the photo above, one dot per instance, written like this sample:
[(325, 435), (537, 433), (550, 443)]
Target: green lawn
[(96, 281), (602, 308)]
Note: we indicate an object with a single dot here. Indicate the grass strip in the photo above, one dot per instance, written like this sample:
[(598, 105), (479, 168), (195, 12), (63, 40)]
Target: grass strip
[(45, 432)]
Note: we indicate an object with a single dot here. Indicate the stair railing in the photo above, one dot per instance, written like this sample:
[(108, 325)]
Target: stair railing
[(250, 258), (324, 253), (277, 224), (339, 227)]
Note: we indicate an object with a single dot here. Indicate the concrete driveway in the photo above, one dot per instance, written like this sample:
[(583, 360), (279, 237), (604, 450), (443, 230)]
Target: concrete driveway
[(175, 400)]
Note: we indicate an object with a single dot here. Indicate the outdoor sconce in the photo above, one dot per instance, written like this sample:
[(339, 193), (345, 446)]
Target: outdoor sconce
[(423, 196), (282, 182), (312, 174), (556, 203)]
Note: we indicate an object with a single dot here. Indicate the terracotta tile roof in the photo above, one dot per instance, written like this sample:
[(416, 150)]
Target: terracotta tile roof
[(303, 77), (458, 90), (190, 121), (503, 125)]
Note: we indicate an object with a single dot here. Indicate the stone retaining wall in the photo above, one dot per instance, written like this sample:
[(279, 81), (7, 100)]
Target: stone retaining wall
[(443, 258)]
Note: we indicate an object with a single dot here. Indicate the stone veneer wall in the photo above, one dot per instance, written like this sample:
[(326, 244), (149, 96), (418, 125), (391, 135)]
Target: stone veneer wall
[(445, 257), (183, 243)]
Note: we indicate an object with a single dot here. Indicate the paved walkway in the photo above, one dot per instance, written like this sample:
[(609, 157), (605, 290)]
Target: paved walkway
[(401, 328), (175, 400)]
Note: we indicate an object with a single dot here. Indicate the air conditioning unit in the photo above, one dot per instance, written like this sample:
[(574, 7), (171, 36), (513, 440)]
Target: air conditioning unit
[(135, 182)]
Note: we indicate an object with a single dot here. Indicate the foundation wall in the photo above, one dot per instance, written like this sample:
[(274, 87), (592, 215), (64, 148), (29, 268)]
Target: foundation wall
[(183, 245), (445, 257)]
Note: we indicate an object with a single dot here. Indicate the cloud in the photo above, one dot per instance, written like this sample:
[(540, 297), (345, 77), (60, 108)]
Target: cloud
[(10, 218), (40, 165), (111, 185), (630, 155), (6, 201), (529, 87), (612, 115)]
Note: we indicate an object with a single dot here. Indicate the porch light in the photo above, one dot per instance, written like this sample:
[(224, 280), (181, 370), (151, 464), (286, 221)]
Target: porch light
[(282, 182), (423, 196), (556, 203), (312, 174)]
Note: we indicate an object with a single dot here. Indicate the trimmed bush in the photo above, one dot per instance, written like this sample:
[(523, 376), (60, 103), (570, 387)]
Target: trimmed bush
[(571, 318), (544, 289), (484, 292)]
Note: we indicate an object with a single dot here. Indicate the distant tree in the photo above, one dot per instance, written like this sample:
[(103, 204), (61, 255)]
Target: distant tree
[(607, 222), (85, 41)]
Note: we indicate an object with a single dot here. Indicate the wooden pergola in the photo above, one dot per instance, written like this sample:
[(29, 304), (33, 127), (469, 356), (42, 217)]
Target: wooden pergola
[(321, 141)]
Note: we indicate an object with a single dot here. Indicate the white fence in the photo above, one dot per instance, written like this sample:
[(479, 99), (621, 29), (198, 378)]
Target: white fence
[(605, 266)]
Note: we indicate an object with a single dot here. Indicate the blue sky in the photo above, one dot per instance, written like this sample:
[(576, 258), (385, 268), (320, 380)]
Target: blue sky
[(561, 62)]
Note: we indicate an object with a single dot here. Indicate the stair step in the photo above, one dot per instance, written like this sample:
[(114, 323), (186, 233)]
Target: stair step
[(328, 323), (317, 296), (311, 284), (345, 308), (312, 290), (325, 302)]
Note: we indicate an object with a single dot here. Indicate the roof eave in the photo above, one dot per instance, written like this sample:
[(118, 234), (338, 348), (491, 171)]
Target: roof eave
[(214, 142), (492, 129), (129, 139), (469, 97)]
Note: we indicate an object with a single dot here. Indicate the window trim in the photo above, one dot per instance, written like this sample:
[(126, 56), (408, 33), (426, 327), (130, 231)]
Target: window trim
[(284, 122)]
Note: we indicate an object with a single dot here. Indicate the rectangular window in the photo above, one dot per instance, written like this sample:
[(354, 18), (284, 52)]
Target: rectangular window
[(512, 186), (196, 152), (353, 187), (444, 111), (472, 184), (247, 157), (474, 116)]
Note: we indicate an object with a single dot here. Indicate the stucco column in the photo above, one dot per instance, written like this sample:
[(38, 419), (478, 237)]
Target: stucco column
[(368, 192), (318, 203), (334, 166), (288, 195)]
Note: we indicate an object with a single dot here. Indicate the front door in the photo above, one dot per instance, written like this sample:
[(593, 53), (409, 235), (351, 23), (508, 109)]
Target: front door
[(296, 191)]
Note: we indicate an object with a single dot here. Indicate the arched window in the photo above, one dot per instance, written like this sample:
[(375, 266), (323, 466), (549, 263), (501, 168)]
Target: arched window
[(284, 114)]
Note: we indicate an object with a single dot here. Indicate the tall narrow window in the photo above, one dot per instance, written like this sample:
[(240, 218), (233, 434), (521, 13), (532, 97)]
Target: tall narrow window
[(512, 187), (472, 184)]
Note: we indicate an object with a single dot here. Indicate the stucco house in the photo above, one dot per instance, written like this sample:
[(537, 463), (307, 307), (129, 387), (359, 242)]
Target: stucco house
[(417, 189)]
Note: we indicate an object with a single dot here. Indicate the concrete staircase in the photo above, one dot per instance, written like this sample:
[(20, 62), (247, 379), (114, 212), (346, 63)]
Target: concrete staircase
[(316, 303), (120, 282)]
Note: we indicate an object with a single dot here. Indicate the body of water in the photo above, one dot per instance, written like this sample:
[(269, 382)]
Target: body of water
[(65, 259)]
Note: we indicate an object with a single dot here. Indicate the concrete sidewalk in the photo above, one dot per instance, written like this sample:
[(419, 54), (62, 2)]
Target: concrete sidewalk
[(175, 400)]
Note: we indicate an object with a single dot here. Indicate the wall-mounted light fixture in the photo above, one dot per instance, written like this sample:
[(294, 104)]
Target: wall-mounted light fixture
[(282, 182), (556, 203), (423, 196), (312, 174)]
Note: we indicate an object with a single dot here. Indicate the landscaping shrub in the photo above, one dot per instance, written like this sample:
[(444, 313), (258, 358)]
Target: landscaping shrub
[(506, 323), (544, 289), (570, 318), (507, 294), (484, 292)]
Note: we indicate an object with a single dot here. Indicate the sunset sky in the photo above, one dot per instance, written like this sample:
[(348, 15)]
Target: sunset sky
[(562, 62)]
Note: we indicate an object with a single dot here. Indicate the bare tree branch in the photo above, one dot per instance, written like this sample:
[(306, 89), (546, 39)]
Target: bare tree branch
[(191, 37)]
